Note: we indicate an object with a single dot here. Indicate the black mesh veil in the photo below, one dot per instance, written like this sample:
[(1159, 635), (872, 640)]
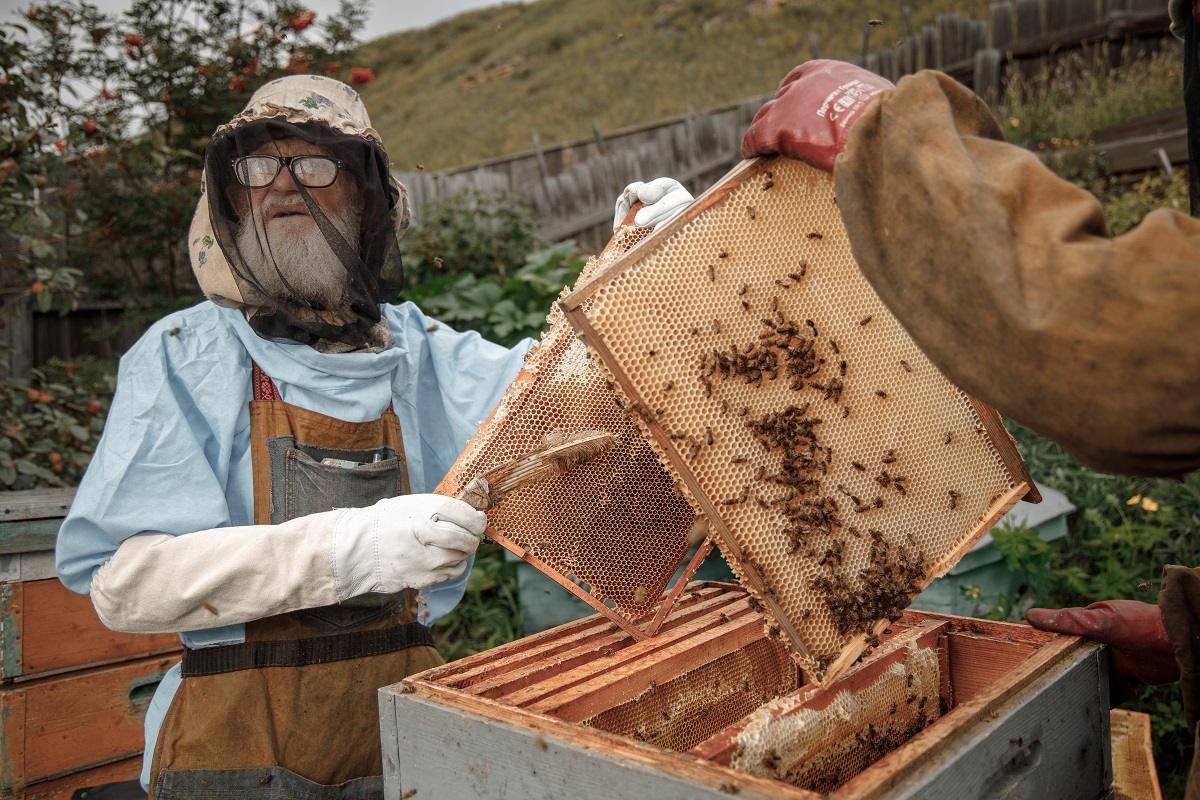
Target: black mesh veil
[(312, 264)]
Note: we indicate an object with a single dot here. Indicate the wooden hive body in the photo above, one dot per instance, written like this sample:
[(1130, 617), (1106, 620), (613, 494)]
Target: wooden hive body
[(588, 710)]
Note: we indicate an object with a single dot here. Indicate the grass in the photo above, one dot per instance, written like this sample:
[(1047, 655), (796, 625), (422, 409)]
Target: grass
[(478, 85)]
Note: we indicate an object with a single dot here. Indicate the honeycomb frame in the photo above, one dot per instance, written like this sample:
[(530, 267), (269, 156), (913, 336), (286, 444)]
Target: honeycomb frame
[(611, 531), (718, 333)]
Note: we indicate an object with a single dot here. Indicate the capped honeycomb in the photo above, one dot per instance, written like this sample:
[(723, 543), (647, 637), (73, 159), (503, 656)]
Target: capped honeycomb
[(612, 530), (680, 713), (839, 470), (820, 747)]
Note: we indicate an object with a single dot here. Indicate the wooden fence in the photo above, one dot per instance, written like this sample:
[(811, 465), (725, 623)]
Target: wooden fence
[(572, 186)]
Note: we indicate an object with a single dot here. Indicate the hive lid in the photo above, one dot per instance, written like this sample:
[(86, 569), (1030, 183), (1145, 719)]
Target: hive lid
[(839, 470)]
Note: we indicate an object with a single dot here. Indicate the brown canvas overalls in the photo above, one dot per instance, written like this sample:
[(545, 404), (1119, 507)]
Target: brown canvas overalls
[(292, 713)]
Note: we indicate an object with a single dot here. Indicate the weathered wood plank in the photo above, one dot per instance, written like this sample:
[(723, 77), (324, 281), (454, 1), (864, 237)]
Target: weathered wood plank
[(125, 769), (59, 629), (68, 723), (29, 535), (35, 504)]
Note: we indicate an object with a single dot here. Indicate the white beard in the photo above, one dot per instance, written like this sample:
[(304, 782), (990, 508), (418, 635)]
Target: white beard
[(290, 258)]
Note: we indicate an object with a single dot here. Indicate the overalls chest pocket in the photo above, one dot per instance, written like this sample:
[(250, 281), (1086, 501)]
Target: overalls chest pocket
[(309, 479)]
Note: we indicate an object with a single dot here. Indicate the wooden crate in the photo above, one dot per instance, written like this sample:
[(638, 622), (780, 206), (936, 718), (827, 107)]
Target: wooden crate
[(73, 694), (49, 629), (75, 721), (1023, 714)]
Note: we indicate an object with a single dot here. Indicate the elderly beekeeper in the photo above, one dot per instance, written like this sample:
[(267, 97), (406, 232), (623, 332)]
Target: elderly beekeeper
[(262, 483)]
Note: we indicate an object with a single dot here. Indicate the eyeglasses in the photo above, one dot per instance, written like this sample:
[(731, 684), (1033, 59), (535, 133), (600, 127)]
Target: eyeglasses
[(314, 172)]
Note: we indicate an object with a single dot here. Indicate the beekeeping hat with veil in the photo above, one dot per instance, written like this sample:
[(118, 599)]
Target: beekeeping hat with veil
[(314, 263)]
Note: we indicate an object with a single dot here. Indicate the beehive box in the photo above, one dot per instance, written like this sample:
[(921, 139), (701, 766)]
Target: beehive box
[(73, 694), (945, 707)]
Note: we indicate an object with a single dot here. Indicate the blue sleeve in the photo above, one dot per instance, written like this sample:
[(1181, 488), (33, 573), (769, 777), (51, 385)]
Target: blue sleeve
[(168, 454)]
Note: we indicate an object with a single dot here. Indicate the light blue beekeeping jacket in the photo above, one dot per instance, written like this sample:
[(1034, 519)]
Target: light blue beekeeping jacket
[(175, 454)]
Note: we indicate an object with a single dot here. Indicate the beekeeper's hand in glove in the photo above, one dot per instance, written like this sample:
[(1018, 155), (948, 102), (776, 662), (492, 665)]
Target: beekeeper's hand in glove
[(664, 198), (812, 112), (1139, 650), (407, 542), (160, 583)]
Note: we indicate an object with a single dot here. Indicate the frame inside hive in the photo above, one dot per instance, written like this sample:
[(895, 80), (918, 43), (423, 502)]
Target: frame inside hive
[(576, 682), (839, 470)]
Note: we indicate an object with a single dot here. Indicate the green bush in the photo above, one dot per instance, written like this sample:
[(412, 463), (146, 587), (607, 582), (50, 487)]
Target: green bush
[(479, 264), (52, 421)]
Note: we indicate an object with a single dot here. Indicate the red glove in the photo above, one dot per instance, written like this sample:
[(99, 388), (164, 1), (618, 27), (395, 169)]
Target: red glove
[(1139, 649), (812, 112)]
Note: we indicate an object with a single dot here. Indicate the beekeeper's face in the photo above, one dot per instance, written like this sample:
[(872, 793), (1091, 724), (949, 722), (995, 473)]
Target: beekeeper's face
[(283, 240)]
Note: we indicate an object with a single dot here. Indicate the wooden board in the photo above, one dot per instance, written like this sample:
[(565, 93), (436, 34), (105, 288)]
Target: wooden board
[(48, 628), (63, 724), (126, 769), (1134, 774)]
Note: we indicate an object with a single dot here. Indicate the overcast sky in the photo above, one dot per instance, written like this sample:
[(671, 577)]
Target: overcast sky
[(387, 16)]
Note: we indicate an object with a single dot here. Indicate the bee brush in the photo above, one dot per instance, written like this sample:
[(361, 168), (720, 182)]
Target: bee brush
[(488, 488)]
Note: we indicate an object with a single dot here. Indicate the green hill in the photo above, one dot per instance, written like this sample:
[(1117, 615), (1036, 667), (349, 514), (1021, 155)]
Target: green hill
[(479, 84)]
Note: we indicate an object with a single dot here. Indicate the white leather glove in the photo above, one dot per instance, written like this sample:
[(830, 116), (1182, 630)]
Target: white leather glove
[(407, 542), (664, 198), (160, 583)]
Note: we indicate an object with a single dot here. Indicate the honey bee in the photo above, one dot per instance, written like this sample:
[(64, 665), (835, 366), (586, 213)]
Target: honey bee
[(712, 272), (815, 235), (953, 499), (811, 327), (723, 254), (768, 184), (881, 393), (949, 437), (742, 289), (865, 319), (858, 466), (905, 364), (834, 345), (750, 211), (875, 23)]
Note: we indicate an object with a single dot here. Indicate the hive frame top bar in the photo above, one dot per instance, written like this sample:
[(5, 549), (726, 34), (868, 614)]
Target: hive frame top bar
[(772, 210)]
